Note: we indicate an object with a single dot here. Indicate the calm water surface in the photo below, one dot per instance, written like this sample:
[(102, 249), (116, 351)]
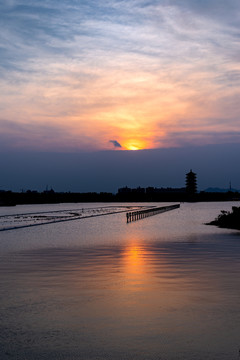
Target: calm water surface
[(166, 287)]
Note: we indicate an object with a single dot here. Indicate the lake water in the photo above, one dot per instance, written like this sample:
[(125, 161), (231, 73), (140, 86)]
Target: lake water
[(166, 287)]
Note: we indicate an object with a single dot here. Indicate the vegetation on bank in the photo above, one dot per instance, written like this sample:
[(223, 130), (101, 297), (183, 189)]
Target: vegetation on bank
[(228, 219), (9, 198)]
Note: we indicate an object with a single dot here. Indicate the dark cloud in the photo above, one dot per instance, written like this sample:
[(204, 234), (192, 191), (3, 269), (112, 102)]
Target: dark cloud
[(215, 166), (33, 136), (115, 143), (198, 138)]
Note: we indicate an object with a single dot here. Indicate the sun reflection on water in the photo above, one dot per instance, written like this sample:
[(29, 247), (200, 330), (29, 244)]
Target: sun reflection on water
[(133, 258)]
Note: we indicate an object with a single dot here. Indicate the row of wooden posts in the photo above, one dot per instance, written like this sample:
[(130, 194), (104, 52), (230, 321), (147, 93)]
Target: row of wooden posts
[(141, 214)]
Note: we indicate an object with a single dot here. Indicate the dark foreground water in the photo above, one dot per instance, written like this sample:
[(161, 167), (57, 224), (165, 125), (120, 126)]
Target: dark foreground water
[(166, 288)]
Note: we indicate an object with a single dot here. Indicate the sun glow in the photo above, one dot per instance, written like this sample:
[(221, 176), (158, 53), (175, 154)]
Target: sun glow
[(137, 144), (133, 147)]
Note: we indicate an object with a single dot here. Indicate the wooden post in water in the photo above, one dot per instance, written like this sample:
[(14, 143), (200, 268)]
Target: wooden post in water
[(141, 214)]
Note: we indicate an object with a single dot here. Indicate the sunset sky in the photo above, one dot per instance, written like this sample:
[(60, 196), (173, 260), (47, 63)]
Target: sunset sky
[(93, 75)]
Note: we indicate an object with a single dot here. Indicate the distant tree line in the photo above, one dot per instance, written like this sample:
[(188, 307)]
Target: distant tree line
[(10, 198)]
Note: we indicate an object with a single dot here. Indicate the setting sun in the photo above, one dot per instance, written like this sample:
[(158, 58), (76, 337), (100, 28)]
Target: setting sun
[(136, 144), (133, 147)]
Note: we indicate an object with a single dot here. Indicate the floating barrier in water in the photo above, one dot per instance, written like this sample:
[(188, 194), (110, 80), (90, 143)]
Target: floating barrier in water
[(141, 214), (30, 219)]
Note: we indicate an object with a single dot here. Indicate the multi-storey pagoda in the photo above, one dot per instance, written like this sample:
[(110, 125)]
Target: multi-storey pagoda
[(191, 183)]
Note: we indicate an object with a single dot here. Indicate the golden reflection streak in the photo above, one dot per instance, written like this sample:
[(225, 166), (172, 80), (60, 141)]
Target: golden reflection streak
[(134, 259)]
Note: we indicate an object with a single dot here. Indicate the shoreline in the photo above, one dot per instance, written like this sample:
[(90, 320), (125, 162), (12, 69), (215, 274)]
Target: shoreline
[(227, 219), (10, 198)]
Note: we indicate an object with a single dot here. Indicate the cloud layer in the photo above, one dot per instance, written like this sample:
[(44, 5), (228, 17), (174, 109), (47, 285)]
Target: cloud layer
[(149, 73)]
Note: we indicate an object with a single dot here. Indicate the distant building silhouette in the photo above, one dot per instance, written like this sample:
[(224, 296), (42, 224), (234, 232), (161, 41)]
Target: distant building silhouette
[(191, 183), (168, 190), (124, 190)]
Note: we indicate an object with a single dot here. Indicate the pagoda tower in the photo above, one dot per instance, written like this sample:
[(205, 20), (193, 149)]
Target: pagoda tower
[(191, 183)]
